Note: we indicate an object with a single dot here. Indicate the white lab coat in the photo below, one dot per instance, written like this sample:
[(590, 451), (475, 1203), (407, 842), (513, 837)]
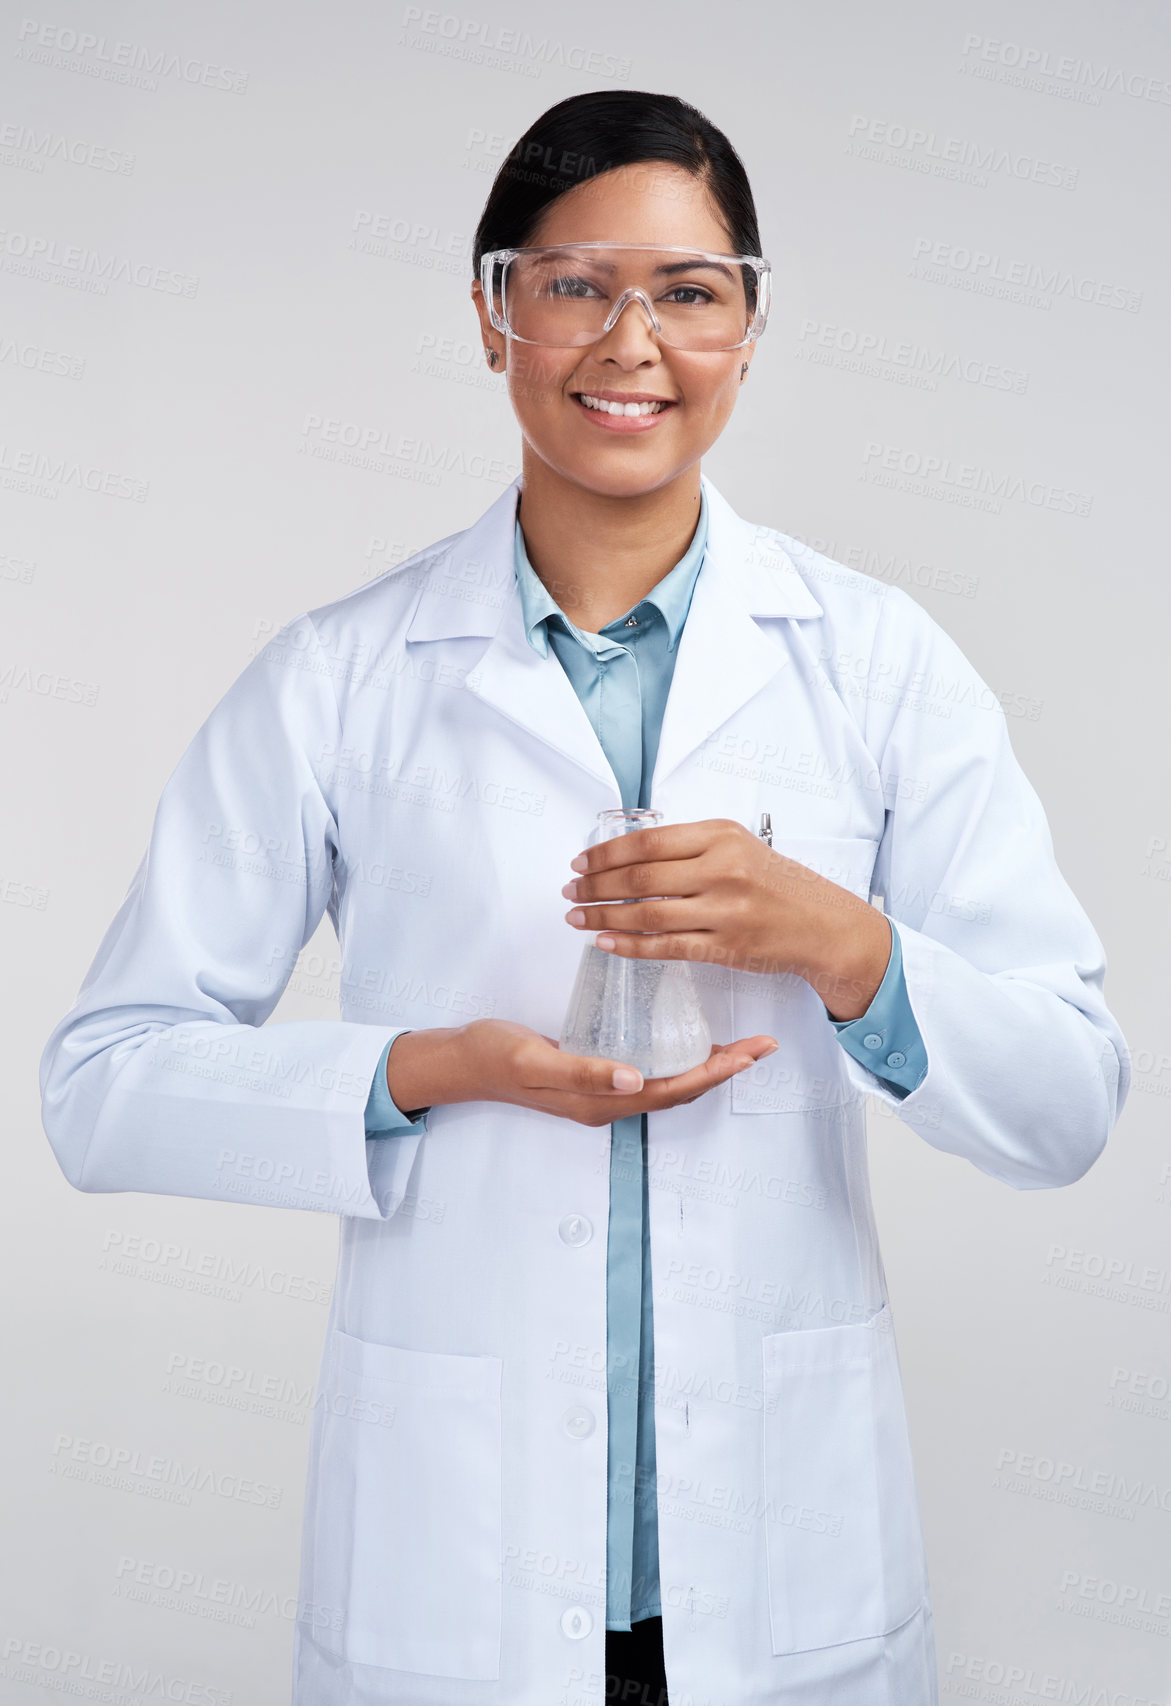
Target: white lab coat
[(403, 759)]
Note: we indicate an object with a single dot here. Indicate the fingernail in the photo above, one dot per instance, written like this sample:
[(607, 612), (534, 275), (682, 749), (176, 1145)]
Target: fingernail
[(771, 1049), (626, 1078), (606, 942), (578, 864), (576, 916)]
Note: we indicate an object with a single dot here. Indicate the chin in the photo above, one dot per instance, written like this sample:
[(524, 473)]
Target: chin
[(625, 473), (620, 482)]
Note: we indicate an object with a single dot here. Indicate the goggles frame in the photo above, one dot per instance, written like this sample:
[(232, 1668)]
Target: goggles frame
[(499, 258)]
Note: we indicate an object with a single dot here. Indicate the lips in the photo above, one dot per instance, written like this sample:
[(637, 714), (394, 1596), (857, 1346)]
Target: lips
[(612, 414), (620, 404)]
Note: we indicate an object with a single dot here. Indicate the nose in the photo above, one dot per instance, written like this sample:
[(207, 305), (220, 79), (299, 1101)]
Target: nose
[(633, 294), (632, 332)]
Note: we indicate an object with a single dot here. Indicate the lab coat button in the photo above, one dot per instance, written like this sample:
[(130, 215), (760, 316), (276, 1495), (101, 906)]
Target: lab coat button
[(576, 1622), (872, 1039), (578, 1422), (575, 1229), (896, 1058)]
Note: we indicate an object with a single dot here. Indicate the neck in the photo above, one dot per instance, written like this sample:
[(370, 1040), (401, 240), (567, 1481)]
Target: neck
[(598, 554)]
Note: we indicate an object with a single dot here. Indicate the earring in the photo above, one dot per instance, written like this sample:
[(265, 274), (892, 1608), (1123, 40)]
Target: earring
[(743, 371), (492, 357)]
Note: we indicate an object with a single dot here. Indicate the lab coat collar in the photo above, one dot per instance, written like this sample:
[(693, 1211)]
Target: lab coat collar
[(723, 660)]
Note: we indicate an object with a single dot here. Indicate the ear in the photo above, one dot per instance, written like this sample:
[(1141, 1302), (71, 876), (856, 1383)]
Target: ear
[(490, 338)]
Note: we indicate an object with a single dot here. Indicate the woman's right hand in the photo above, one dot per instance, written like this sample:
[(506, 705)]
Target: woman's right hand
[(499, 1060)]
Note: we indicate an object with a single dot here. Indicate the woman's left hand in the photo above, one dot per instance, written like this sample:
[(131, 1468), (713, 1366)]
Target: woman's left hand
[(723, 895)]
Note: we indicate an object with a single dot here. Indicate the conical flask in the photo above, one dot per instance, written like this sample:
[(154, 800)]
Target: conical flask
[(643, 1013)]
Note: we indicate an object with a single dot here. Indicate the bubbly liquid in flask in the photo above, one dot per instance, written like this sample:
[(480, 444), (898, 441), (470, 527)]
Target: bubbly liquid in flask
[(644, 1013)]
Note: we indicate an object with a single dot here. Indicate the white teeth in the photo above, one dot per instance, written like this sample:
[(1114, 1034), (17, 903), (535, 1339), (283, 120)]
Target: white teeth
[(622, 408)]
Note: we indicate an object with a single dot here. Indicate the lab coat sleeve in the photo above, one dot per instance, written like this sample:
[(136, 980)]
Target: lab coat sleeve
[(1027, 1070), (163, 1076)]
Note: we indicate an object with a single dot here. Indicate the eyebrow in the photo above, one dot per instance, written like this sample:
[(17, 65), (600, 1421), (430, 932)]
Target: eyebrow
[(671, 267)]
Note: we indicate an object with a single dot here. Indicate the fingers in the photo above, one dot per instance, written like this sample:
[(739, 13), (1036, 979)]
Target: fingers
[(667, 842), (619, 1089), (691, 946), (628, 882), (725, 1060), (590, 1075), (665, 914), (757, 1048)]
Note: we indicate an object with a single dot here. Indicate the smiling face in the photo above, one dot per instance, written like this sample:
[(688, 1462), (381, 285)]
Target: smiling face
[(623, 455)]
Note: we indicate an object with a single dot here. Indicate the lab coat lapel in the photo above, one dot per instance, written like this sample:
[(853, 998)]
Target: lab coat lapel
[(536, 693), (724, 658), (471, 588)]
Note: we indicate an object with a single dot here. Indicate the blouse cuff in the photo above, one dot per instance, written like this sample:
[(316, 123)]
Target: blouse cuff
[(886, 1038), (383, 1115)]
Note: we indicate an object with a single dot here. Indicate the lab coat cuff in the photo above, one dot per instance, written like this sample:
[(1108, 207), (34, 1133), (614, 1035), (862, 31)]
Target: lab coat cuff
[(373, 1186), (1023, 1077)]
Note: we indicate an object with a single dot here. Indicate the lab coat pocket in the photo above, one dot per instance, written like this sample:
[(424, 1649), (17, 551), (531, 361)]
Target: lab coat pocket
[(806, 1071), (844, 1543), (406, 1510)]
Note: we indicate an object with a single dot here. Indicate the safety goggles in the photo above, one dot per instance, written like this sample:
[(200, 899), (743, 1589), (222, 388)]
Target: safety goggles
[(568, 295)]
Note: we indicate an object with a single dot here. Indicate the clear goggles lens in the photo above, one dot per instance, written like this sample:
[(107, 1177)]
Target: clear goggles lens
[(571, 294)]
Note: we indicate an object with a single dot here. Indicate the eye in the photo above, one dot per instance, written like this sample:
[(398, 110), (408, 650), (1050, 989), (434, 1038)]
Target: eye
[(690, 295), (570, 286)]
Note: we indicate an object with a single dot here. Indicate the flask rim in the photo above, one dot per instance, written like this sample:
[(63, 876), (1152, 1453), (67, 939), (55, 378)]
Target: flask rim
[(643, 816)]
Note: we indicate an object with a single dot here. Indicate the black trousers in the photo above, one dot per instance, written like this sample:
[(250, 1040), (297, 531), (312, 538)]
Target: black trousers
[(634, 1665)]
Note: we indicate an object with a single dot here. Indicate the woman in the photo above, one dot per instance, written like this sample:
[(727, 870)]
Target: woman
[(535, 1475)]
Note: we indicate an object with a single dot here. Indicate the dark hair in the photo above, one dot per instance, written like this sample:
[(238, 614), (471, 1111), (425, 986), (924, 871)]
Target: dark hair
[(586, 135)]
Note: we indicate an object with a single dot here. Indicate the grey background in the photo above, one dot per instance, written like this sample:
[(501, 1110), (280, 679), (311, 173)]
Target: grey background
[(315, 175)]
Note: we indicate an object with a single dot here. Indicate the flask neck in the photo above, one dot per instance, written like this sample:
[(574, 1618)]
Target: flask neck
[(621, 820)]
